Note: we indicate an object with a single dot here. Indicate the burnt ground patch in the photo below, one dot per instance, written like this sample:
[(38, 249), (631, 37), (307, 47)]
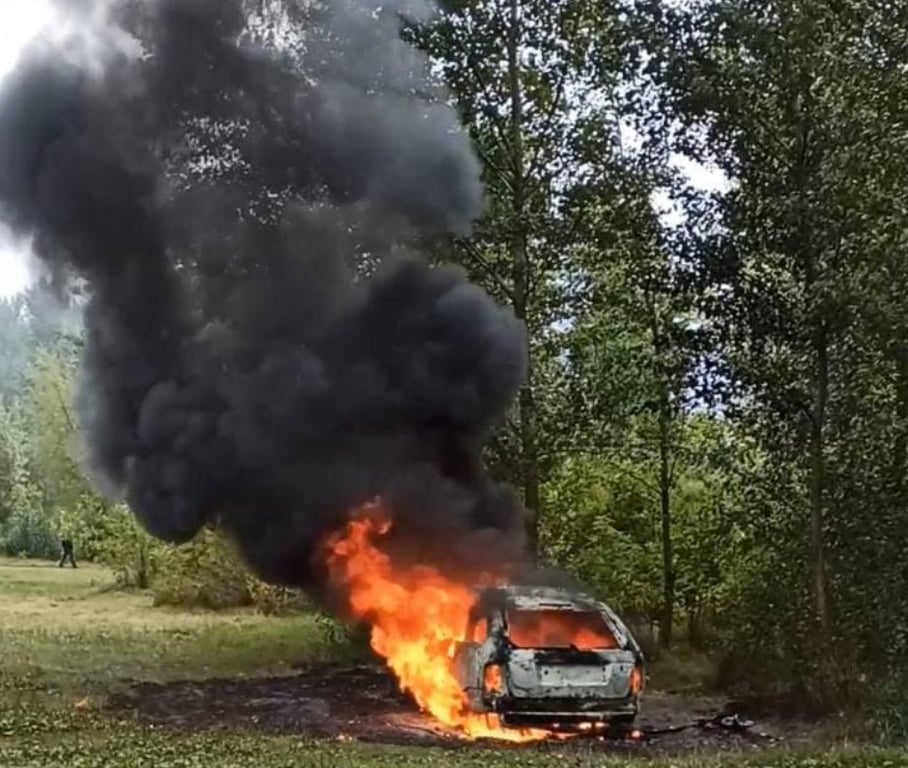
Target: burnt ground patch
[(363, 703)]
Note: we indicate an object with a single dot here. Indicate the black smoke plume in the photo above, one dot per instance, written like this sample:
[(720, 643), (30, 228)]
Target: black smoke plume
[(262, 350)]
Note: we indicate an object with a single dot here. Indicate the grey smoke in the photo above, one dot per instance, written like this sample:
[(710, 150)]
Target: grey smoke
[(263, 349)]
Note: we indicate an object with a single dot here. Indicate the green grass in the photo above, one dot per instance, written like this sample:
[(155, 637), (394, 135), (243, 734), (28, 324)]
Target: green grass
[(67, 639), (65, 629), (126, 747)]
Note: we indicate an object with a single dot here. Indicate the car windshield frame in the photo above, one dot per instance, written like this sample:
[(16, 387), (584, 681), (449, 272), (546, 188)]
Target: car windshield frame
[(599, 626)]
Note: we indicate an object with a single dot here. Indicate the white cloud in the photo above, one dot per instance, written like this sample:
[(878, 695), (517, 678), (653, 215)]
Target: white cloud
[(706, 178), (15, 273), (21, 21), (669, 210)]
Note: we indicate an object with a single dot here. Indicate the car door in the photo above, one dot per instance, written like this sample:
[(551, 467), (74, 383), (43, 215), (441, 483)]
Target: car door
[(470, 659)]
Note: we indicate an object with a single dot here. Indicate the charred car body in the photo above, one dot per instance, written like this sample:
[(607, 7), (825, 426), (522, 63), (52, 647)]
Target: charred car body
[(550, 658)]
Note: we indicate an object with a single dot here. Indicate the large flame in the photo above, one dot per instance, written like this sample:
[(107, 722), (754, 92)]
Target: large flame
[(417, 616)]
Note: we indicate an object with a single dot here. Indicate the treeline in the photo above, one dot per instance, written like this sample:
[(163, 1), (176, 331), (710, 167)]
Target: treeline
[(45, 494), (714, 432)]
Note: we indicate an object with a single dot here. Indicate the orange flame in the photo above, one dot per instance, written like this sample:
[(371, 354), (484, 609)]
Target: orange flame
[(554, 629), (418, 616)]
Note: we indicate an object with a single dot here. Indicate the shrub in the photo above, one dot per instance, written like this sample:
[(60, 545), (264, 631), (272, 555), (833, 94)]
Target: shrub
[(110, 534), (207, 573), (349, 640), (272, 600), (29, 533)]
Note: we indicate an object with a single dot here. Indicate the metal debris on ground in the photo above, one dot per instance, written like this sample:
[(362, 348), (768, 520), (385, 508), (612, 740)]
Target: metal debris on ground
[(731, 723)]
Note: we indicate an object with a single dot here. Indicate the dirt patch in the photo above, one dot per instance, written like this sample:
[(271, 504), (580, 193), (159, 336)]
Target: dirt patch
[(364, 704)]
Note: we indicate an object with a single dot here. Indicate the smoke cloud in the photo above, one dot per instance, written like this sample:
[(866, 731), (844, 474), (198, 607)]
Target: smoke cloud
[(263, 349)]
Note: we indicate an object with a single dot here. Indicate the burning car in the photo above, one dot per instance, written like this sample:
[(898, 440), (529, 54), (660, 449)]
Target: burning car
[(549, 658)]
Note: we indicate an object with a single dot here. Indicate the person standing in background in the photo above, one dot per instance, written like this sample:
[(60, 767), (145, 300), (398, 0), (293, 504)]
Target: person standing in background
[(67, 553)]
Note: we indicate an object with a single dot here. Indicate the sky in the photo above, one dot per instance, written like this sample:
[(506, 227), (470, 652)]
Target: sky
[(21, 20)]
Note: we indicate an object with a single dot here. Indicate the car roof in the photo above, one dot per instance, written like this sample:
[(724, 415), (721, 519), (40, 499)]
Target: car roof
[(527, 598)]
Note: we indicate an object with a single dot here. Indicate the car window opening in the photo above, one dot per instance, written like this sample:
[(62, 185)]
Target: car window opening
[(583, 630)]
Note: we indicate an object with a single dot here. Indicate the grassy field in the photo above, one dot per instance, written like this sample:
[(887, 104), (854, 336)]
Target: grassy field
[(68, 640)]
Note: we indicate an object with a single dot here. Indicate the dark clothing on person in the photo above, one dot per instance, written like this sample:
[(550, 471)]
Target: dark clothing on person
[(67, 553)]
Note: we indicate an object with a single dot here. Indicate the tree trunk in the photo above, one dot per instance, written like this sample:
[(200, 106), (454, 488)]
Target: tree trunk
[(804, 244), (695, 628), (520, 273), (817, 483), (665, 508), (530, 469), (143, 580), (900, 447)]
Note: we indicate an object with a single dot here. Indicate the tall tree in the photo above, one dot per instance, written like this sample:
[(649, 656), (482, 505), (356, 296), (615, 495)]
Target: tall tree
[(535, 82), (631, 360), (800, 104)]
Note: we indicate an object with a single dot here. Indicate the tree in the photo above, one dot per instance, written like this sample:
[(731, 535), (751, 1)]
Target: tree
[(517, 70), (632, 362), (53, 430), (800, 104), (26, 529), (13, 345)]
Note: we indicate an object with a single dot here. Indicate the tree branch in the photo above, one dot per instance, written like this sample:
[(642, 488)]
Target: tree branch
[(487, 268)]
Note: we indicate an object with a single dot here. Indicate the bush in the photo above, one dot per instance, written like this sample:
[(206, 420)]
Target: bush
[(128, 549), (272, 600), (206, 573), (888, 709), (29, 533), (598, 526), (28, 530), (350, 640), (111, 535)]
